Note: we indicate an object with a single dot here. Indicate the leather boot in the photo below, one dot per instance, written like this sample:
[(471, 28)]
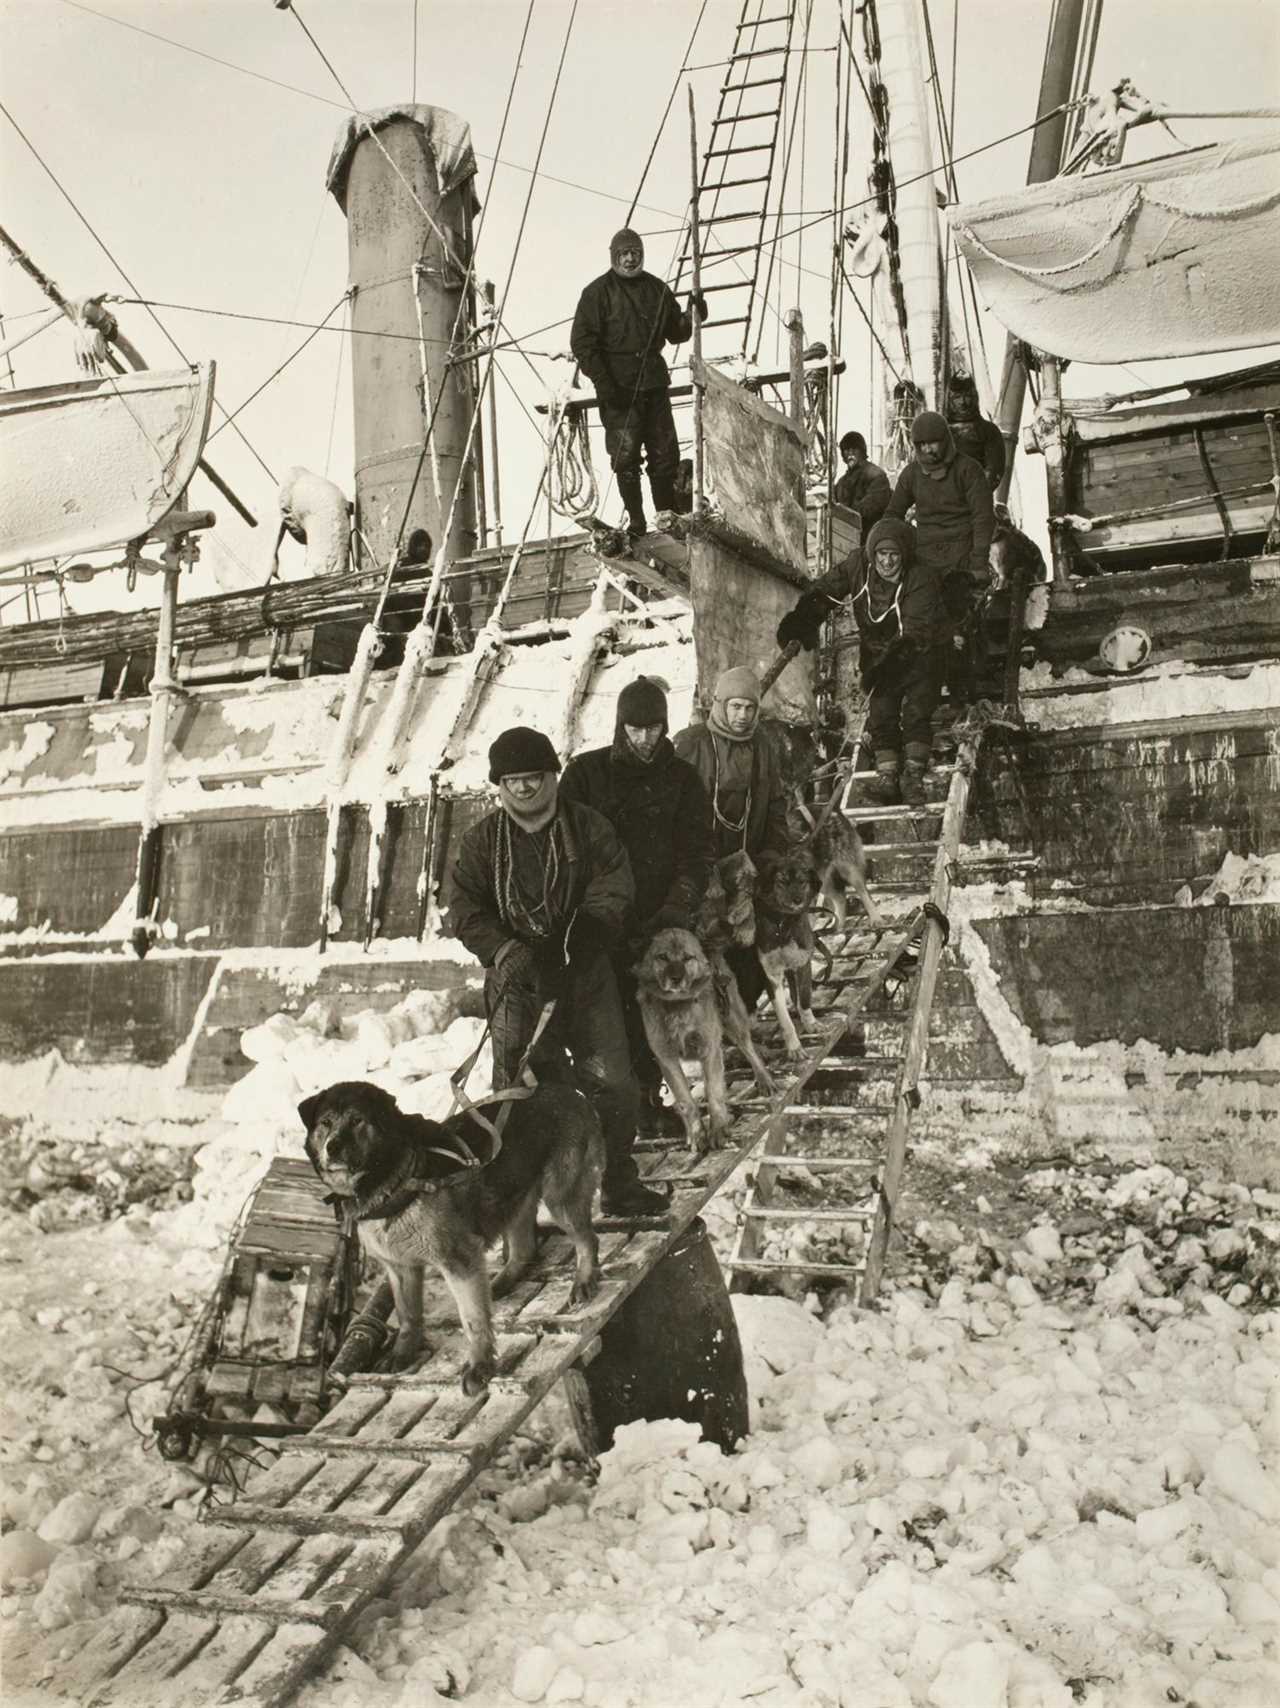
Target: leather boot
[(663, 488), (656, 1120), (622, 1192), (883, 788), (631, 493), (913, 783)]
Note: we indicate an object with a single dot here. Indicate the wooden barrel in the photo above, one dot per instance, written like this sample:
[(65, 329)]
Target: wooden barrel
[(672, 1350)]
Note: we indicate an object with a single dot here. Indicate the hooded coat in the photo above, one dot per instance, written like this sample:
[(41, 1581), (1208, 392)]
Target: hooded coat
[(662, 817), (919, 613), (619, 329), (738, 775), (953, 511)]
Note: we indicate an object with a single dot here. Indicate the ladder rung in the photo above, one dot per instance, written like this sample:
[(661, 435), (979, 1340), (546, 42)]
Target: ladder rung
[(732, 184), (730, 285), (866, 815), (734, 320), (771, 1215), (943, 770), (728, 219), (752, 83), (741, 118), (780, 1159), (738, 148), (757, 53), (759, 23), (926, 845), (723, 255), (766, 1264)]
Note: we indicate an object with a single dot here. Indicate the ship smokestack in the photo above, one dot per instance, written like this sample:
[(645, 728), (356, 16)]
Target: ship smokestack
[(403, 176)]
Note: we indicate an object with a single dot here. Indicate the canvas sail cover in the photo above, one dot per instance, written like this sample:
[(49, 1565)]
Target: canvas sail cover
[(92, 464), (1172, 257)]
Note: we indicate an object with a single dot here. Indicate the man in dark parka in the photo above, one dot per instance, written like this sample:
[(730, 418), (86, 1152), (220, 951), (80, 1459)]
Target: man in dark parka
[(622, 321), (904, 632), (660, 810), (542, 892), (954, 520)]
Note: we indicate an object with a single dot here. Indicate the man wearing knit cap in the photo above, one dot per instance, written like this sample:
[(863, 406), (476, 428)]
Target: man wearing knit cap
[(904, 633), (740, 770), (954, 521), (542, 891), (622, 321), (659, 808)]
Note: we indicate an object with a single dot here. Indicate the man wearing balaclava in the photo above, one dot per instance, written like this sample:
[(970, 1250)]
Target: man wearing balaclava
[(740, 770), (954, 522), (542, 891), (622, 321), (659, 808)]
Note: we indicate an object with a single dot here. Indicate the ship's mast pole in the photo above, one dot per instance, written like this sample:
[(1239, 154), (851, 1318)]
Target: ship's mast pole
[(1056, 82), (914, 166), (699, 498)]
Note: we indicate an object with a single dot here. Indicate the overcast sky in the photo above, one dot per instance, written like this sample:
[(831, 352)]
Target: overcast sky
[(207, 183)]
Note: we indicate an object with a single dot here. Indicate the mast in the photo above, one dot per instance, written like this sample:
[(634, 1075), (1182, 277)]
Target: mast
[(911, 151), (1056, 82)]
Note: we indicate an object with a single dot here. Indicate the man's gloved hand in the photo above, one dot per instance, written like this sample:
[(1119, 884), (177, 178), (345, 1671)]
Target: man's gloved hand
[(698, 304), (516, 961), (802, 624)]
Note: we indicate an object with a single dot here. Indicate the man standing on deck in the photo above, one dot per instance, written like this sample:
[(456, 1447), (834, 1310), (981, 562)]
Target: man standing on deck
[(863, 486), (660, 810), (622, 321), (542, 890), (954, 521)]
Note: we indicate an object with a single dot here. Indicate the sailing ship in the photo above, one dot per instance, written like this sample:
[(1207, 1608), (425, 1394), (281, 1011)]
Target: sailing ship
[(220, 808)]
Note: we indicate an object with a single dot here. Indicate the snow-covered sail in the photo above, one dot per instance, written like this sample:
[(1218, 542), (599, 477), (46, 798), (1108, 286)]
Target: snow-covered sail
[(93, 464), (1172, 257)]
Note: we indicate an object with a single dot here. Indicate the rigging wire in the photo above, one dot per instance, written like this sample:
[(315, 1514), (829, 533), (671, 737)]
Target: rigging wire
[(312, 95), (119, 269), (337, 386), (276, 372), (666, 111), (782, 182)]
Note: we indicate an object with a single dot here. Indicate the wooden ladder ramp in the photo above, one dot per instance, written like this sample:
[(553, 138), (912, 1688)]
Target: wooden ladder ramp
[(274, 1585), (263, 1598), (823, 1198)]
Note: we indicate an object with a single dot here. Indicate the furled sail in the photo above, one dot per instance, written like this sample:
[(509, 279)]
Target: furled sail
[(1172, 257), (89, 465)]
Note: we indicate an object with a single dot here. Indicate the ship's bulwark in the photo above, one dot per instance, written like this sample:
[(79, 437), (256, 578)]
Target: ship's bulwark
[(242, 861)]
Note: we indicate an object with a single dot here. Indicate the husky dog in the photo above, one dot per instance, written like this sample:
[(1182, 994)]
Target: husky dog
[(414, 1189), (689, 1002), (841, 862)]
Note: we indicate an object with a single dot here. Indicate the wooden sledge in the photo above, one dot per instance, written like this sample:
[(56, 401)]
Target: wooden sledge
[(259, 1363)]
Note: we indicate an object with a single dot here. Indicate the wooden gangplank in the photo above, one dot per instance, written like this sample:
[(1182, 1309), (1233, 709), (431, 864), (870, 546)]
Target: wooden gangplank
[(261, 1601)]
